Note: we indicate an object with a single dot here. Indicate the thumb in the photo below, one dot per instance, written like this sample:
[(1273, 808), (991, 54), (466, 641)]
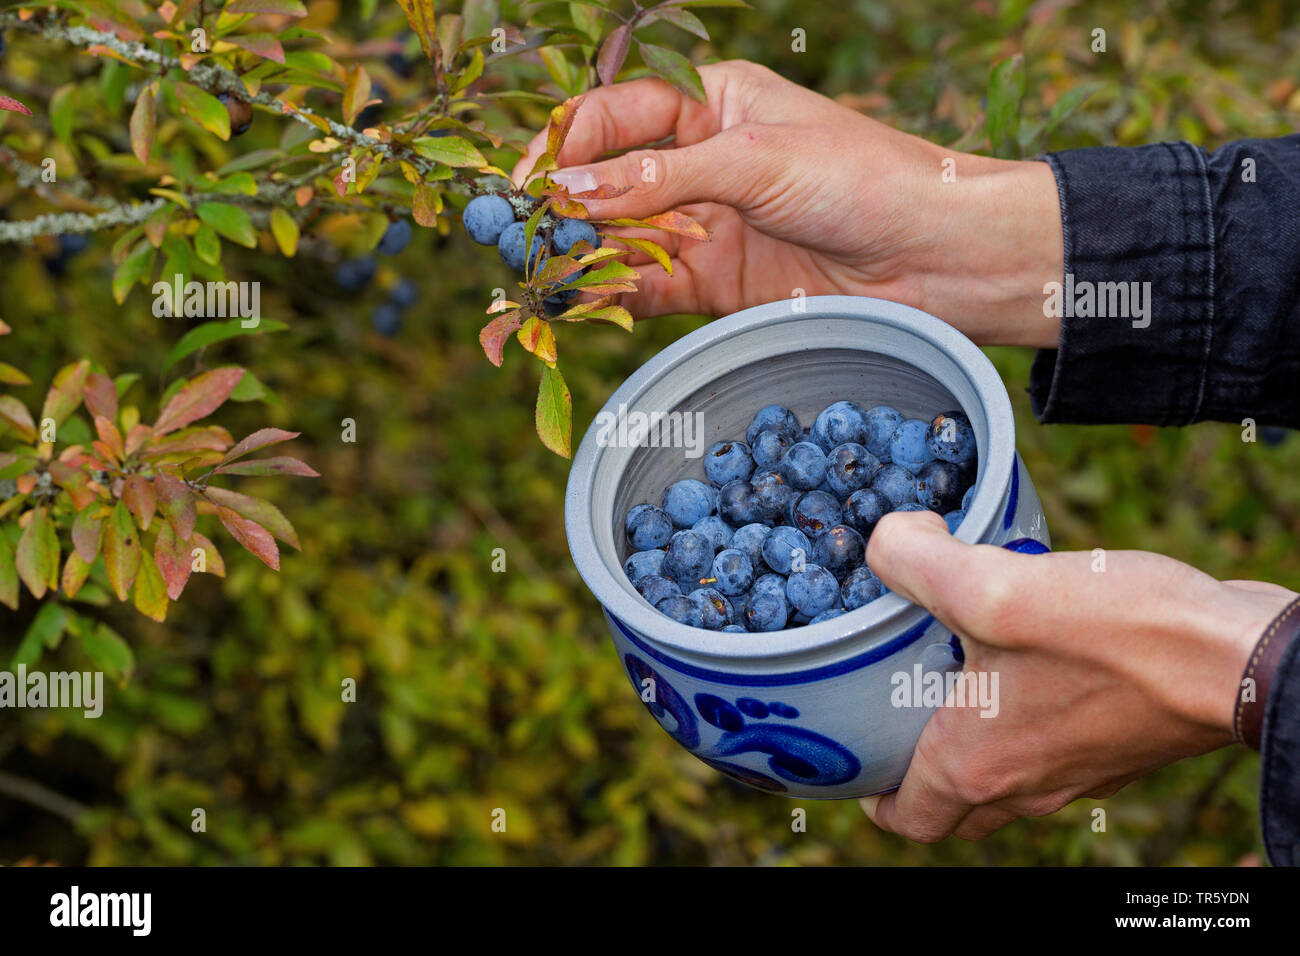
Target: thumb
[(916, 557), (657, 180)]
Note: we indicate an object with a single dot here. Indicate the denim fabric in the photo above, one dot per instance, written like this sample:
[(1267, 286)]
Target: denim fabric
[(1222, 256)]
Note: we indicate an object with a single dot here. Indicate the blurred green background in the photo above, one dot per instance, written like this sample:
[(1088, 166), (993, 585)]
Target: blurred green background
[(479, 690)]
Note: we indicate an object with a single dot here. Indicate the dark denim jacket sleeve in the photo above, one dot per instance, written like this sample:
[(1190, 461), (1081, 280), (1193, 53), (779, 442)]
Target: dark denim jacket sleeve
[(1211, 246), (1217, 237)]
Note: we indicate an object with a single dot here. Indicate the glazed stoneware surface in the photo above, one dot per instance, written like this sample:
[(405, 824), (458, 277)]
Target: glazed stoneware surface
[(822, 710)]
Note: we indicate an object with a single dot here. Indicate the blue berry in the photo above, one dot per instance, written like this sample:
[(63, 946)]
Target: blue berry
[(733, 629), (655, 587), (772, 495), (386, 319), (804, 466), (967, 498), (895, 484), (404, 294), (765, 611), (813, 590), (770, 583), (689, 559), (816, 511), (72, 243), (859, 588), (715, 610), (352, 275), (912, 506), (689, 500), (728, 461), (864, 509), (881, 421), (641, 564), (838, 424), (827, 615), (954, 518), (749, 540), (570, 231), (682, 610), (938, 486), (769, 448), (839, 550), (486, 217), (774, 417), (647, 527), (396, 238), (716, 530), (782, 546), (907, 446), (511, 247), (849, 467), (737, 503), (734, 572), (951, 438)]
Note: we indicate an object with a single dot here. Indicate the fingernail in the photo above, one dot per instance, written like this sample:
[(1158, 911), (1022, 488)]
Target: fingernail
[(868, 805), (575, 180)]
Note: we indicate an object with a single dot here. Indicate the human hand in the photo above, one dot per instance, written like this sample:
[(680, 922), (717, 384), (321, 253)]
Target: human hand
[(800, 192), (1103, 676)]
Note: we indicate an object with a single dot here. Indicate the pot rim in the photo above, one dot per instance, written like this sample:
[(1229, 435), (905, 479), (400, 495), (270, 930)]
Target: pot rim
[(874, 623)]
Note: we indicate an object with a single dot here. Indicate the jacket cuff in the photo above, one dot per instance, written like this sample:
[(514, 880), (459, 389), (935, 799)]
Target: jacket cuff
[(1137, 298), (1279, 787)]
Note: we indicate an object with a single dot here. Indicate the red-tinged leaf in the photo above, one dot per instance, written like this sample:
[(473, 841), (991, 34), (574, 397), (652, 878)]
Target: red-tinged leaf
[(202, 438), (288, 8), (561, 122), (173, 557), (614, 314), (279, 465), (150, 592), (199, 398), (425, 203), (74, 576), (176, 502), (613, 53), (258, 439), (420, 15), (8, 576), (603, 191), (652, 249), (356, 93), (530, 332), (121, 551), (673, 221), (15, 414), (493, 335), (37, 556), (138, 495), (557, 269), (100, 395), (554, 416), (86, 531), (211, 556), (11, 105), (136, 437), (678, 17), (255, 509), (263, 44), (12, 376), (252, 536), (109, 438), (144, 122)]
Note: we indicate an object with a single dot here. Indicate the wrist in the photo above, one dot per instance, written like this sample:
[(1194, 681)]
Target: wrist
[(997, 240)]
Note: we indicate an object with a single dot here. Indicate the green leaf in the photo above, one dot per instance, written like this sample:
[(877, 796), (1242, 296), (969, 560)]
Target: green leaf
[(8, 575), (251, 389), (12, 376), (64, 396), (209, 333), (37, 555), (207, 245), (1070, 101), (62, 112), (45, 631), (277, 465), (14, 414), (420, 15), (256, 509), (1002, 120), (205, 109), (530, 230), (121, 551), (144, 121), (233, 222), (150, 593), (451, 150), (554, 416), (285, 231), (87, 529), (288, 8), (682, 19), (108, 651), (135, 267), (673, 67)]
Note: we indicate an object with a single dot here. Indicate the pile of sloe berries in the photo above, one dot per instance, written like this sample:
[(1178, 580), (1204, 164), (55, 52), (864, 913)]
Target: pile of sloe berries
[(353, 275), (777, 535), (490, 220)]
